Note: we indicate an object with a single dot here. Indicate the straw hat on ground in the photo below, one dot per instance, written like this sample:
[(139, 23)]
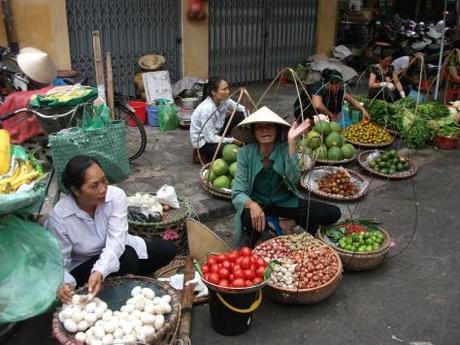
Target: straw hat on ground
[(151, 62), (37, 65), (244, 132)]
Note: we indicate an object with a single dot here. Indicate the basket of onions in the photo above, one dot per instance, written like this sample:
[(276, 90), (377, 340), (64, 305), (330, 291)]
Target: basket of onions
[(305, 270), (128, 310)]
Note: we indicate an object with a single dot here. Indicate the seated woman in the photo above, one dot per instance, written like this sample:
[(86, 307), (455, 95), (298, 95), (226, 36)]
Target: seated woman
[(91, 225), (452, 74), (211, 116), (383, 80), (267, 178), (327, 97)]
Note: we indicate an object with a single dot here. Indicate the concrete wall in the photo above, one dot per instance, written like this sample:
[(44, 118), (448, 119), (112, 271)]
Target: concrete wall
[(41, 24), (326, 26), (195, 44)]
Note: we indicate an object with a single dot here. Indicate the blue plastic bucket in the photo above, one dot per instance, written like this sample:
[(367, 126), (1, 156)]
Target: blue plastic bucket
[(413, 94), (152, 115)]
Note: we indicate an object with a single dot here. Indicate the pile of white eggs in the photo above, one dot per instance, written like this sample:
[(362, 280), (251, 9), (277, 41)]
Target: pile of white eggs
[(137, 320)]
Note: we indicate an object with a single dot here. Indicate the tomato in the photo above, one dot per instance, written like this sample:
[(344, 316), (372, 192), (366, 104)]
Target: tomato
[(236, 267), (230, 277), (222, 257), (245, 251), (212, 260), (260, 272), (257, 280), (233, 255), (248, 283), (238, 283), (261, 262), (246, 263), (204, 268), (238, 260), (238, 275), (249, 274), (206, 276), (224, 273), (226, 264), (214, 278), (214, 268), (224, 283)]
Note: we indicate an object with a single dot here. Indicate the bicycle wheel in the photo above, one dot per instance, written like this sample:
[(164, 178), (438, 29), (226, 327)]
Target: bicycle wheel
[(136, 138)]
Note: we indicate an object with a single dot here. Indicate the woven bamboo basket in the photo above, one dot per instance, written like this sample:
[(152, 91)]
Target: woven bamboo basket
[(396, 176), (174, 267), (145, 232), (221, 193), (115, 291), (355, 261), (306, 296)]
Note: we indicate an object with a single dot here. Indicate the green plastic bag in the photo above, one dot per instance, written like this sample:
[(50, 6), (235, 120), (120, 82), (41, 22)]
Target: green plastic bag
[(96, 116), (64, 98), (167, 115), (31, 269)]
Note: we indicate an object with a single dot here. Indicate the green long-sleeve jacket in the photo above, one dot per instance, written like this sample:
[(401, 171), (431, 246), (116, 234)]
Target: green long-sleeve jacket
[(249, 165)]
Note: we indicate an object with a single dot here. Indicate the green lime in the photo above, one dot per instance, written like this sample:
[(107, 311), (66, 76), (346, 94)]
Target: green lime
[(376, 246), (369, 248), (361, 249)]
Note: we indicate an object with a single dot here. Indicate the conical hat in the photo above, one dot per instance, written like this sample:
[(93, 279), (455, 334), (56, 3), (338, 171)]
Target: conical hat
[(37, 65), (243, 131), (151, 62)]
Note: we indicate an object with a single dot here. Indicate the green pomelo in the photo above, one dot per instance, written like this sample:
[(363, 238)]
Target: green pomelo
[(313, 139), (222, 182), (334, 139), (230, 152), (335, 127), (335, 154), (219, 167), (232, 169), (209, 176), (348, 151), (322, 127), (320, 153)]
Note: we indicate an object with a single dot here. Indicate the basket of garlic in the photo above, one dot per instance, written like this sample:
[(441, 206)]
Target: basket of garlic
[(128, 310)]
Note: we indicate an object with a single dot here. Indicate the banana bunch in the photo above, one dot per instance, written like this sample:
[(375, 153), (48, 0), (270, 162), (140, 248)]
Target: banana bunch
[(22, 172)]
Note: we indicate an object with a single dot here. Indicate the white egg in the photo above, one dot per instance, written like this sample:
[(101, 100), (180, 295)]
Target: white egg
[(123, 309), (89, 332), (158, 322), (70, 326), (137, 323), (129, 339), (95, 299), (61, 316), (139, 305), (136, 313), (157, 309), (166, 308), (98, 332), (116, 313), (102, 305), (148, 330), (99, 323), (124, 315), (90, 317), (107, 339), (80, 336), (157, 300), (90, 307), (99, 312), (110, 326), (118, 333), (83, 325), (139, 297), (147, 319), (118, 341), (108, 314), (140, 336), (130, 308), (127, 327), (131, 301), (166, 298), (76, 299), (67, 312), (148, 293), (96, 342), (135, 291)]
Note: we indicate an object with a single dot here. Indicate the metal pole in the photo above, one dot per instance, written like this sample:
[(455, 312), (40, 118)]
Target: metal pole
[(441, 53)]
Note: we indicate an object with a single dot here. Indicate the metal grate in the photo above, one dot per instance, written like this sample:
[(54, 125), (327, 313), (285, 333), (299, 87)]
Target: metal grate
[(250, 40), (129, 29)]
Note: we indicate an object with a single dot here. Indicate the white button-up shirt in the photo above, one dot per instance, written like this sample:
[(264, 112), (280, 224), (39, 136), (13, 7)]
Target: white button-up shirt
[(207, 122), (82, 237)]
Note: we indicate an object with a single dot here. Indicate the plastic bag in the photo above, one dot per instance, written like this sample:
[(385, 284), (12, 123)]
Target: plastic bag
[(96, 116), (31, 269), (167, 196), (143, 214), (167, 115)]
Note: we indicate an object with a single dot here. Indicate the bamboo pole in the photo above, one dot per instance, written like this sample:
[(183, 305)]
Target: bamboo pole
[(186, 303), (110, 100), (99, 65)]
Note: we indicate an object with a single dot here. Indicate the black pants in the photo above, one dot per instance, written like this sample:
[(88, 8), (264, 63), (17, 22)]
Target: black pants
[(319, 213), (160, 252), (208, 149)]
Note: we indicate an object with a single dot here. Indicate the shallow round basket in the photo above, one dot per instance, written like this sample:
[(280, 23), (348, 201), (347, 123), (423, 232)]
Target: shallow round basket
[(115, 291), (308, 182), (362, 161), (331, 162), (355, 261), (221, 193), (171, 217), (306, 296), (181, 241), (177, 266), (371, 145)]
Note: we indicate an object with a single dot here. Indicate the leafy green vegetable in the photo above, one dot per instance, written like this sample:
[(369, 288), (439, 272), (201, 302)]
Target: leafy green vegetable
[(445, 126)]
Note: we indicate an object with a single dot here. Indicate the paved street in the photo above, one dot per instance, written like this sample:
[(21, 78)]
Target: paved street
[(414, 298)]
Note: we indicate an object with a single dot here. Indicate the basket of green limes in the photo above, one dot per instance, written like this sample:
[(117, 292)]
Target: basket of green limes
[(361, 244)]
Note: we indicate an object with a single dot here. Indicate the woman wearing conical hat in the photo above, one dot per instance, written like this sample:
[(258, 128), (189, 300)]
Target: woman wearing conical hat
[(267, 177)]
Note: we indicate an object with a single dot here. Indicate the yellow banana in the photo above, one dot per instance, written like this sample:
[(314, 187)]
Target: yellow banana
[(24, 179), (12, 177)]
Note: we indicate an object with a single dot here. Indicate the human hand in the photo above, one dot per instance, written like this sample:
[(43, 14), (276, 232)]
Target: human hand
[(391, 86), (320, 117), (383, 84), (402, 94), (257, 216), (95, 283), (366, 115), (297, 130), (237, 142), (65, 293)]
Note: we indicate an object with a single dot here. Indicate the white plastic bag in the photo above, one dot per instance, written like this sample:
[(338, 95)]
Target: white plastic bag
[(167, 196)]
